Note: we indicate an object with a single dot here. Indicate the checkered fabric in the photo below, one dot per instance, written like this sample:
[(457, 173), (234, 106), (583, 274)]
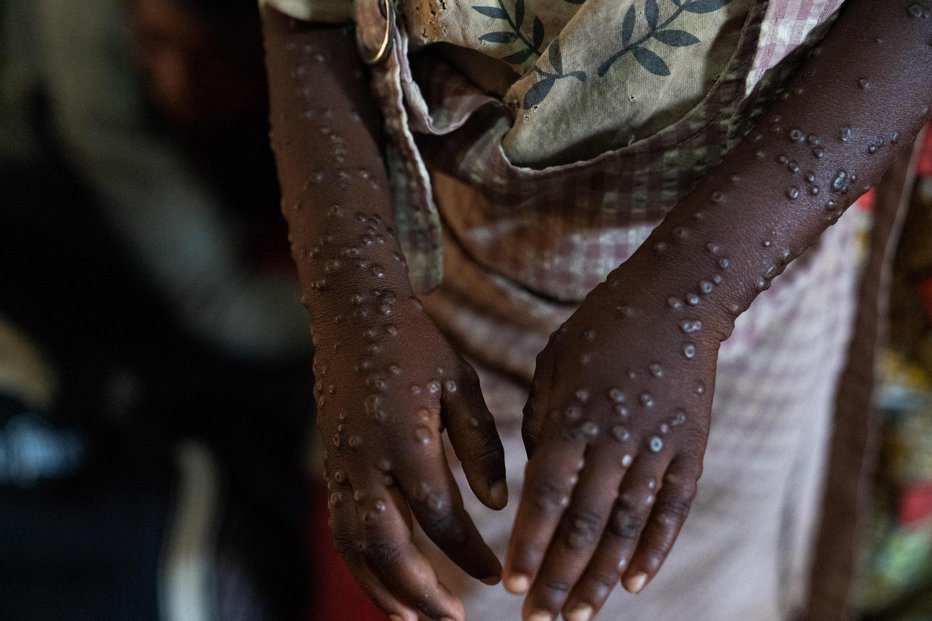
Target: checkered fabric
[(745, 551), (559, 230), (520, 247)]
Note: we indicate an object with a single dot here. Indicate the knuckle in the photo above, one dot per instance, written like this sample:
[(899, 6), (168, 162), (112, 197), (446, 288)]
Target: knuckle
[(427, 601), (381, 553), (626, 523), (443, 526), (685, 482), (548, 497), (581, 529), (601, 580), (553, 585), (346, 545), (691, 487), (423, 601), (574, 427), (488, 448), (674, 509)]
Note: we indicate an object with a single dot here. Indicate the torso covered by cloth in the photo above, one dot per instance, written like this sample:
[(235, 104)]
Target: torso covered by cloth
[(533, 145), (578, 124)]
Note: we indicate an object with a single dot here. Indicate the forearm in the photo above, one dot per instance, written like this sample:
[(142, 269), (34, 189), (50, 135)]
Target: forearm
[(335, 198), (858, 99), (388, 383)]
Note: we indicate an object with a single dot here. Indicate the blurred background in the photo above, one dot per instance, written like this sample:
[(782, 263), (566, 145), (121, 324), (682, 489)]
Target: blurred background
[(156, 416), (155, 400)]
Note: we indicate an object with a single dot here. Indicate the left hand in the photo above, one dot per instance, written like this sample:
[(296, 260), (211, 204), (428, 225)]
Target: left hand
[(615, 429)]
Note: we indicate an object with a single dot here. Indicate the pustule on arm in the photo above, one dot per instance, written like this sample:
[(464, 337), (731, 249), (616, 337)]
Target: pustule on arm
[(388, 383), (620, 408), (858, 99), (327, 140)]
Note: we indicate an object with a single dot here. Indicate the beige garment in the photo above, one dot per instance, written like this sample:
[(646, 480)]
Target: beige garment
[(745, 552), (580, 77)]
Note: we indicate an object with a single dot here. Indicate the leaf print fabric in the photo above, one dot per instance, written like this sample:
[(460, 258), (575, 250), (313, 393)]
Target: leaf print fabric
[(539, 91), (580, 76), (661, 32), (595, 75), (531, 46)]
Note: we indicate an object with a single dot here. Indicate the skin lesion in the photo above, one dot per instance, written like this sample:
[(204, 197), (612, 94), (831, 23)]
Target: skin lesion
[(661, 361)]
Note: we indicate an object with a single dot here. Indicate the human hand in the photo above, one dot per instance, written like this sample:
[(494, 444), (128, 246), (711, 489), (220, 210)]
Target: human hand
[(615, 429), (388, 384)]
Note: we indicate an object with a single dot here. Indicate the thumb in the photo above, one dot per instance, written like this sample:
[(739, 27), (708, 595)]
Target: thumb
[(475, 440), (535, 410)]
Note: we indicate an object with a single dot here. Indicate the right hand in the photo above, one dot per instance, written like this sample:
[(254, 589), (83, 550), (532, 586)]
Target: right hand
[(388, 384)]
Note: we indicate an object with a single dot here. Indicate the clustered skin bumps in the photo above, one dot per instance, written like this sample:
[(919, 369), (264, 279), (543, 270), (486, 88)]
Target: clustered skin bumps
[(387, 382), (619, 412), (615, 429)]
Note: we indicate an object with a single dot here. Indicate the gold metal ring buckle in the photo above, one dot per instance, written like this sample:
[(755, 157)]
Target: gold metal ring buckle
[(375, 51)]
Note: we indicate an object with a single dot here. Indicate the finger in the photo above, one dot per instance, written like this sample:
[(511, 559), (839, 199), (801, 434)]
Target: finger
[(429, 488), (550, 477), (472, 432), (619, 540), (666, 519), (348, 542), (536, 407), (391, 555), (578, 535)]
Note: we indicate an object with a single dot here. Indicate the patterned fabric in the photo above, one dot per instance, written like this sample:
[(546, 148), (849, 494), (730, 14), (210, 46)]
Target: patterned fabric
[(489, 128), (559, 230), (764, 464), (522, 244), (653, 63), (657, 59)]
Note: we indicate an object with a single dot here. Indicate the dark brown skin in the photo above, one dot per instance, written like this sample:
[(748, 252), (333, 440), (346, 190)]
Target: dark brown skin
[(617, 421), (585, 517), (388, 382)]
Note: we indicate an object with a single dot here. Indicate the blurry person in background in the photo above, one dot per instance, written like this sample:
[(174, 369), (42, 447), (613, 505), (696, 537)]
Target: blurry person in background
[(154, 467), (202, 60)]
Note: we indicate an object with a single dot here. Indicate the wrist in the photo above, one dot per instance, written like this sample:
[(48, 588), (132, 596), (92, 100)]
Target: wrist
[(691, 286), (351, 265), (366, 293)]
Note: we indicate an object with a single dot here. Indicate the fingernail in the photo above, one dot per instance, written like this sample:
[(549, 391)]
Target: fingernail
[(636, 582), (540, 616), (492, 579), (580, 613), (499, 493), (517, 583)]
